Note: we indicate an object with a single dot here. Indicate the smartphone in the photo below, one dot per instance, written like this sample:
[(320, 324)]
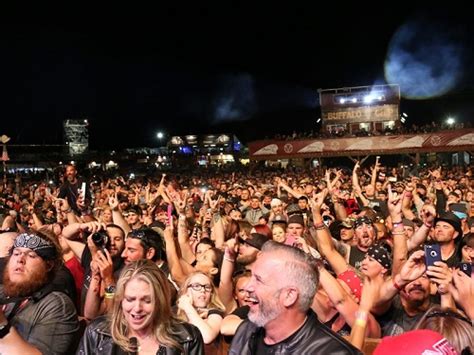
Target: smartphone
[(83, 190), (392, 179), (432, 254), (169, 211), (466, 268), (290, 239)]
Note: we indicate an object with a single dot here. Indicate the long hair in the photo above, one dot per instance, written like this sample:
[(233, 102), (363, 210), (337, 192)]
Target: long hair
[(452, 325), (162, 318), (214, 302)]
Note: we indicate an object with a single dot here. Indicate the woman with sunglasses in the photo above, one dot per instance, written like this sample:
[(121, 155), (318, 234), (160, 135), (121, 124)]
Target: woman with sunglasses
[(141, 320), (454, 326), (200, 305)]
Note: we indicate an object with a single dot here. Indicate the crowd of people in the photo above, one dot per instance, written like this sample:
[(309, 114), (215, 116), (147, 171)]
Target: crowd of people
[(340, 132), (336, 261)]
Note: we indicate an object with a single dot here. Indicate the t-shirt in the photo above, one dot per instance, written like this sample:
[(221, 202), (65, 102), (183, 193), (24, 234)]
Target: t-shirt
[(396, 321), (356, 256), (86, 259)]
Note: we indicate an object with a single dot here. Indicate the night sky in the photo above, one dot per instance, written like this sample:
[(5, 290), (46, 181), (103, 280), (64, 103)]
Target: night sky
[(249, 70)]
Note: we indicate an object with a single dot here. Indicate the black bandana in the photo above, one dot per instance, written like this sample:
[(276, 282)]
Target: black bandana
[(44, 248), (380, 254)]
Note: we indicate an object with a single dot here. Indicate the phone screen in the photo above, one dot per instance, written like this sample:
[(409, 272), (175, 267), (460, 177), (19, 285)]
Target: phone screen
[(169, 211), (83, 190)]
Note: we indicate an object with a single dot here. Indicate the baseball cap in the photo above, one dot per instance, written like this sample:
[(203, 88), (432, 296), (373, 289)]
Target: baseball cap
[(347, 223), (292, 209), (415, 342), (275, 202), (459, 209), (296, 218), (255, 240), (279, 218)]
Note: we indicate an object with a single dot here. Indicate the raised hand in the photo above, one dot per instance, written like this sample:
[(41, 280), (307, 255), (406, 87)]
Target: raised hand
[(394, 204), (440, 274), (113, 202), (414, 267), (318, 200), (428, 214)]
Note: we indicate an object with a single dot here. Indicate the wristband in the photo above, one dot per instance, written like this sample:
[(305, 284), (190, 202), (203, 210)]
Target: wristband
[(109, 295), (397, 224), (229, 254), (397, 286), (363, 315), (360, 322), (319, 226)]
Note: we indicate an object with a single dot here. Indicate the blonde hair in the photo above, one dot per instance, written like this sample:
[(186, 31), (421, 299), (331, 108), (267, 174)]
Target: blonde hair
[(162, 318), (214, 303), (451, 324)]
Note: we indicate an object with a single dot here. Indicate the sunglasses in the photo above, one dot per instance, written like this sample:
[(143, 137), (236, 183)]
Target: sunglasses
[(138, 234), (448, 314)]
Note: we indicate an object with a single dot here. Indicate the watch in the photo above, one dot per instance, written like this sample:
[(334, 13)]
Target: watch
[(4, 329)]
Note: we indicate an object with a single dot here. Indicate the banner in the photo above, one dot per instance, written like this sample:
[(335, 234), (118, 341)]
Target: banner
[(443, 141)]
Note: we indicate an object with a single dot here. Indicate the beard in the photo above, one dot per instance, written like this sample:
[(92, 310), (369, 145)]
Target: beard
[(35, 280), (247, 259), (268, 310)]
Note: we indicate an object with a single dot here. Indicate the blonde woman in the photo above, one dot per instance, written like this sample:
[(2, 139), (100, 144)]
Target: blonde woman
[(200, 305), (141, 321)]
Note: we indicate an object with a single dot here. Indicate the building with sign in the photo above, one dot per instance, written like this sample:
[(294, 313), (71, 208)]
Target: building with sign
[(360, 110)]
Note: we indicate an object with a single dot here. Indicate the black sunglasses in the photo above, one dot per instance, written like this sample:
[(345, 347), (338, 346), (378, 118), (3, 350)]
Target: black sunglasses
[(447, 314)]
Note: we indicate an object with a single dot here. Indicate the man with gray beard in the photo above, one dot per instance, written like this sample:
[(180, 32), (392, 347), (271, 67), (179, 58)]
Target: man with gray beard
[(282, 287)]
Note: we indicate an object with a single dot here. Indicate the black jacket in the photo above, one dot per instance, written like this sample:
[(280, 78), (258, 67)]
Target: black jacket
[(97, 340), (312, 338)]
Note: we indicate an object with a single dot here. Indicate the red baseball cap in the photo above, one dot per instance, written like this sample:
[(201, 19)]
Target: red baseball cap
[(415, 342)]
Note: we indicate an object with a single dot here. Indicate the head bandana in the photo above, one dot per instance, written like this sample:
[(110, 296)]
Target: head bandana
[(380, 254), (44, 248)]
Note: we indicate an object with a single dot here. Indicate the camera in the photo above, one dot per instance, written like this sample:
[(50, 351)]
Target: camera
[(100, 239)]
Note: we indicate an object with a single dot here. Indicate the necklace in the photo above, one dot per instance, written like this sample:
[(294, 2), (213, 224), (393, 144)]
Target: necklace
[(145, 340)]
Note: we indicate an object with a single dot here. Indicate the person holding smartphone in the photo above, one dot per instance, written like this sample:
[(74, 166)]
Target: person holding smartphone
[(447, 230), (71, 189)]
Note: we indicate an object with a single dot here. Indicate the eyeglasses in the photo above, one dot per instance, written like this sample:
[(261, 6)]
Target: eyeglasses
[(199, 287)]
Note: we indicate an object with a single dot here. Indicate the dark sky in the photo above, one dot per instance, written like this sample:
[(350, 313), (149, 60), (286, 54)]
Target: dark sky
[(251, 70)]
